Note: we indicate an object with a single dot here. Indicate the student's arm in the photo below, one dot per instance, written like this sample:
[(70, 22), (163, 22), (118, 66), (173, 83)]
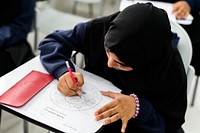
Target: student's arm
[(57, 47), (19, 28)]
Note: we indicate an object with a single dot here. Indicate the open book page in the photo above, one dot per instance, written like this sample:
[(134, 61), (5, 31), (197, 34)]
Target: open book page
[(69, 114)]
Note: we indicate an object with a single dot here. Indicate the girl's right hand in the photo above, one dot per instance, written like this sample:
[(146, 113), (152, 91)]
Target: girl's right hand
[(66, 85)]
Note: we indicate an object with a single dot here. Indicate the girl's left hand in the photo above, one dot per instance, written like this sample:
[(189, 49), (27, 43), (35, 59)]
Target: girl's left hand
[(121, 107)]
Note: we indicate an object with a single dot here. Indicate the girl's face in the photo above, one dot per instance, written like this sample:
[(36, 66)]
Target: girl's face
[(114, 62)]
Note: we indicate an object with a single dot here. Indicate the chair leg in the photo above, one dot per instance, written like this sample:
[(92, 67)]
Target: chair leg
[(74, 7), (25, 126), (25, 123), (90, 5), (35, 32), (0, 117), (103, 3), (113, 2), (194, 92)]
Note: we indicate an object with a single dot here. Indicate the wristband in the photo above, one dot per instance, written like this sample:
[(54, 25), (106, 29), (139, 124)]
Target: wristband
[(137, 109)]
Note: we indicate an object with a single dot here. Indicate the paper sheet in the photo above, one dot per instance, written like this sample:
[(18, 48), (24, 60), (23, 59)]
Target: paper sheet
[(70, 114)]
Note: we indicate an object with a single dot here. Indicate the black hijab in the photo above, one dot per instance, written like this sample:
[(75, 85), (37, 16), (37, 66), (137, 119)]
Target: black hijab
[(140, 31), (141, 37)]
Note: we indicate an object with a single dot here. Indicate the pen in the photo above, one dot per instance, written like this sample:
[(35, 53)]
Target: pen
[(72, 76)]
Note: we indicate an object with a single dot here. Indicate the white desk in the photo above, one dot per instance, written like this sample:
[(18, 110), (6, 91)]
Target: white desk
[(52, 110), (13, 77), (166, 6)]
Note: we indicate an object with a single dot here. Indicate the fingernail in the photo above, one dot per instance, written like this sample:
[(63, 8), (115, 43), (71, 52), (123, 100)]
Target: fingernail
[(96, 118), (105, 122), (96, 113), (78, 92)]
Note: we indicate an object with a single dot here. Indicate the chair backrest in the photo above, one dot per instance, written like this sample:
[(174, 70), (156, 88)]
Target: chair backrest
[(185, 49), (184, 44)]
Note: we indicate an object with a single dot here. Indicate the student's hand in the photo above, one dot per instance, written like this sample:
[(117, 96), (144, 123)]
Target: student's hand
[(66, 85), (181, 9), (122, 107)]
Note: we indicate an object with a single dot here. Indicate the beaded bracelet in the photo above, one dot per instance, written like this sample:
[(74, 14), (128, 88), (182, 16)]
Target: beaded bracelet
[(137, 109)]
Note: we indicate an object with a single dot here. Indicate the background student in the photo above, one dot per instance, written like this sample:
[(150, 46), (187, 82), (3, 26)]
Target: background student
[(16, 17), (182, 8)]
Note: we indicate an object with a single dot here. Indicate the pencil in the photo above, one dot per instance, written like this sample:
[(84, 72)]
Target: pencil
[(72, 76)]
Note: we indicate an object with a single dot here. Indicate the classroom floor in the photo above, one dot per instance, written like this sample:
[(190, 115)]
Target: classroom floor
[(13, 124)]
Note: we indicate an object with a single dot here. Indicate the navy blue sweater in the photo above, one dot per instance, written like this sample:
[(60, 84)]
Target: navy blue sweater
[(16, 21)]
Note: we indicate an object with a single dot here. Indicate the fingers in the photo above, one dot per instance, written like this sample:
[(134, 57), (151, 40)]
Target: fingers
[(124, 125), (122, 107), (64, 88), (79, 79), (112, 119), (118, 103), (110, 94), (181, 9), (181, 13), (116, 117), (106, 111), (66, 85)]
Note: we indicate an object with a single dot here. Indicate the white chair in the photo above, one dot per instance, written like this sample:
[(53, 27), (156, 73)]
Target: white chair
[(185, 49), (90, 4), (49, 19)]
